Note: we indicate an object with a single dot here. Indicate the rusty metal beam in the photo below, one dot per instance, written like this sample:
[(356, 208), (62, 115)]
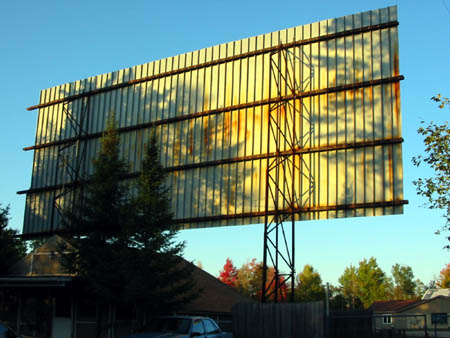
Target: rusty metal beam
[(275, 100), (294, 210), (220, 61), (262, 213), (299, 151)]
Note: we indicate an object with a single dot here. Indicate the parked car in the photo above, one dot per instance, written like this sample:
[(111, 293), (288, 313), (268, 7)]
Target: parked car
[(181, 327), (7, 332)]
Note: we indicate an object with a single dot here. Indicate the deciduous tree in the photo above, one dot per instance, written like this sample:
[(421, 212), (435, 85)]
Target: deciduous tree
[(444, 277), (309, 285), (249, 281), (372, 282), (12, 248), (365, 284), (420, 288), (405, 287), (436, 189), (229, 273), (350, 287)]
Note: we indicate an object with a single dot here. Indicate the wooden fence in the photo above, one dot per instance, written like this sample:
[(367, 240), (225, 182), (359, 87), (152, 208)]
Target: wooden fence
[(255, 320)]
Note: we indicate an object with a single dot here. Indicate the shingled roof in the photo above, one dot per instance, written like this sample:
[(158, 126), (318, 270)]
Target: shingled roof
[(392, 305), (215, 296), (42, 267)]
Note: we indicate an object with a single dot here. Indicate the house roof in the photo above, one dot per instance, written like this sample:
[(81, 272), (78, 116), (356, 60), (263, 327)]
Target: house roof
[(42, 268), (392, 305), (216, 296), (41, 262), (400, 305)]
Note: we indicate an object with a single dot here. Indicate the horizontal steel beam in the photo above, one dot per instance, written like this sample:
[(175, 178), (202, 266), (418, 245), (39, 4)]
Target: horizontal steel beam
[(221, 61), (274, 100), (295, 211), (298, 151), (244, 215)]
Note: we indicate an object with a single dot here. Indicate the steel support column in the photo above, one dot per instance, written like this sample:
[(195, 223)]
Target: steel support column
[(289, 130)]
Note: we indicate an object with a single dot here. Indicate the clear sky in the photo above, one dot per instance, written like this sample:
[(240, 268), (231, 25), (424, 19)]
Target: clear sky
[(47, 43)]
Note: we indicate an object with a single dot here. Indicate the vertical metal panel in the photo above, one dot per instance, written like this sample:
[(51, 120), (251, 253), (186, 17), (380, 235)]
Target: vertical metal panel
[(208, 193)]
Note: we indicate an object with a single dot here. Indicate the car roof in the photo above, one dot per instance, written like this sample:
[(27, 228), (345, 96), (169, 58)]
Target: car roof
[(184, 317)]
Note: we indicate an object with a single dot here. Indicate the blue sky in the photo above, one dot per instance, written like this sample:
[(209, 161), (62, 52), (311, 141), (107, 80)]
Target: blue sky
[(47, 43)]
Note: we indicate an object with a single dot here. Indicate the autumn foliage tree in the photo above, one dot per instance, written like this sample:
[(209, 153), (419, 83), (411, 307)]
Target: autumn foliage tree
[(444, 277), (270, 286), (229, 273), (248, 280)]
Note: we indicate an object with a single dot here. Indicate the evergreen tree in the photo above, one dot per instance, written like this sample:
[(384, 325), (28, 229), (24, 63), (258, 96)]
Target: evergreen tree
[(159, 279), (122, 246), (97, 222), (12, 248)]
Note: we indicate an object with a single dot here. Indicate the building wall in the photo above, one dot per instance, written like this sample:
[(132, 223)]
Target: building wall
[(436, 305), (337, 81), (413, 318)]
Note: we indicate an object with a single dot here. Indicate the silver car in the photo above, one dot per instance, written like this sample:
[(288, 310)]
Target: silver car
[(181, 327), (7, 332)]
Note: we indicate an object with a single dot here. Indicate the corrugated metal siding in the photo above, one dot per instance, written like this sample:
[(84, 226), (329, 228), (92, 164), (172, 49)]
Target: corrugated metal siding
[(214, 112)]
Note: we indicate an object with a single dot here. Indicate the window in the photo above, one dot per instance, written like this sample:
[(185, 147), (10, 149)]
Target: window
[(439, 318), (387, 319), (197, 327), (169, 324), (210, 327)]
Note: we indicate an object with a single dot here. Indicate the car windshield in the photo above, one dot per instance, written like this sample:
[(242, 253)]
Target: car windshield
[(3, 331), (174, 325)]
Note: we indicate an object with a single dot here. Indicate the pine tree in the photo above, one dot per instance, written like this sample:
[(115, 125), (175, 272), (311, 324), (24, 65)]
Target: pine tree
[(122, 246), (96, 224), (151, 238)]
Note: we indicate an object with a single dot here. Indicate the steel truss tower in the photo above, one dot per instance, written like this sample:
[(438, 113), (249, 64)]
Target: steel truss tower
[(290, 128), (71, 159)]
